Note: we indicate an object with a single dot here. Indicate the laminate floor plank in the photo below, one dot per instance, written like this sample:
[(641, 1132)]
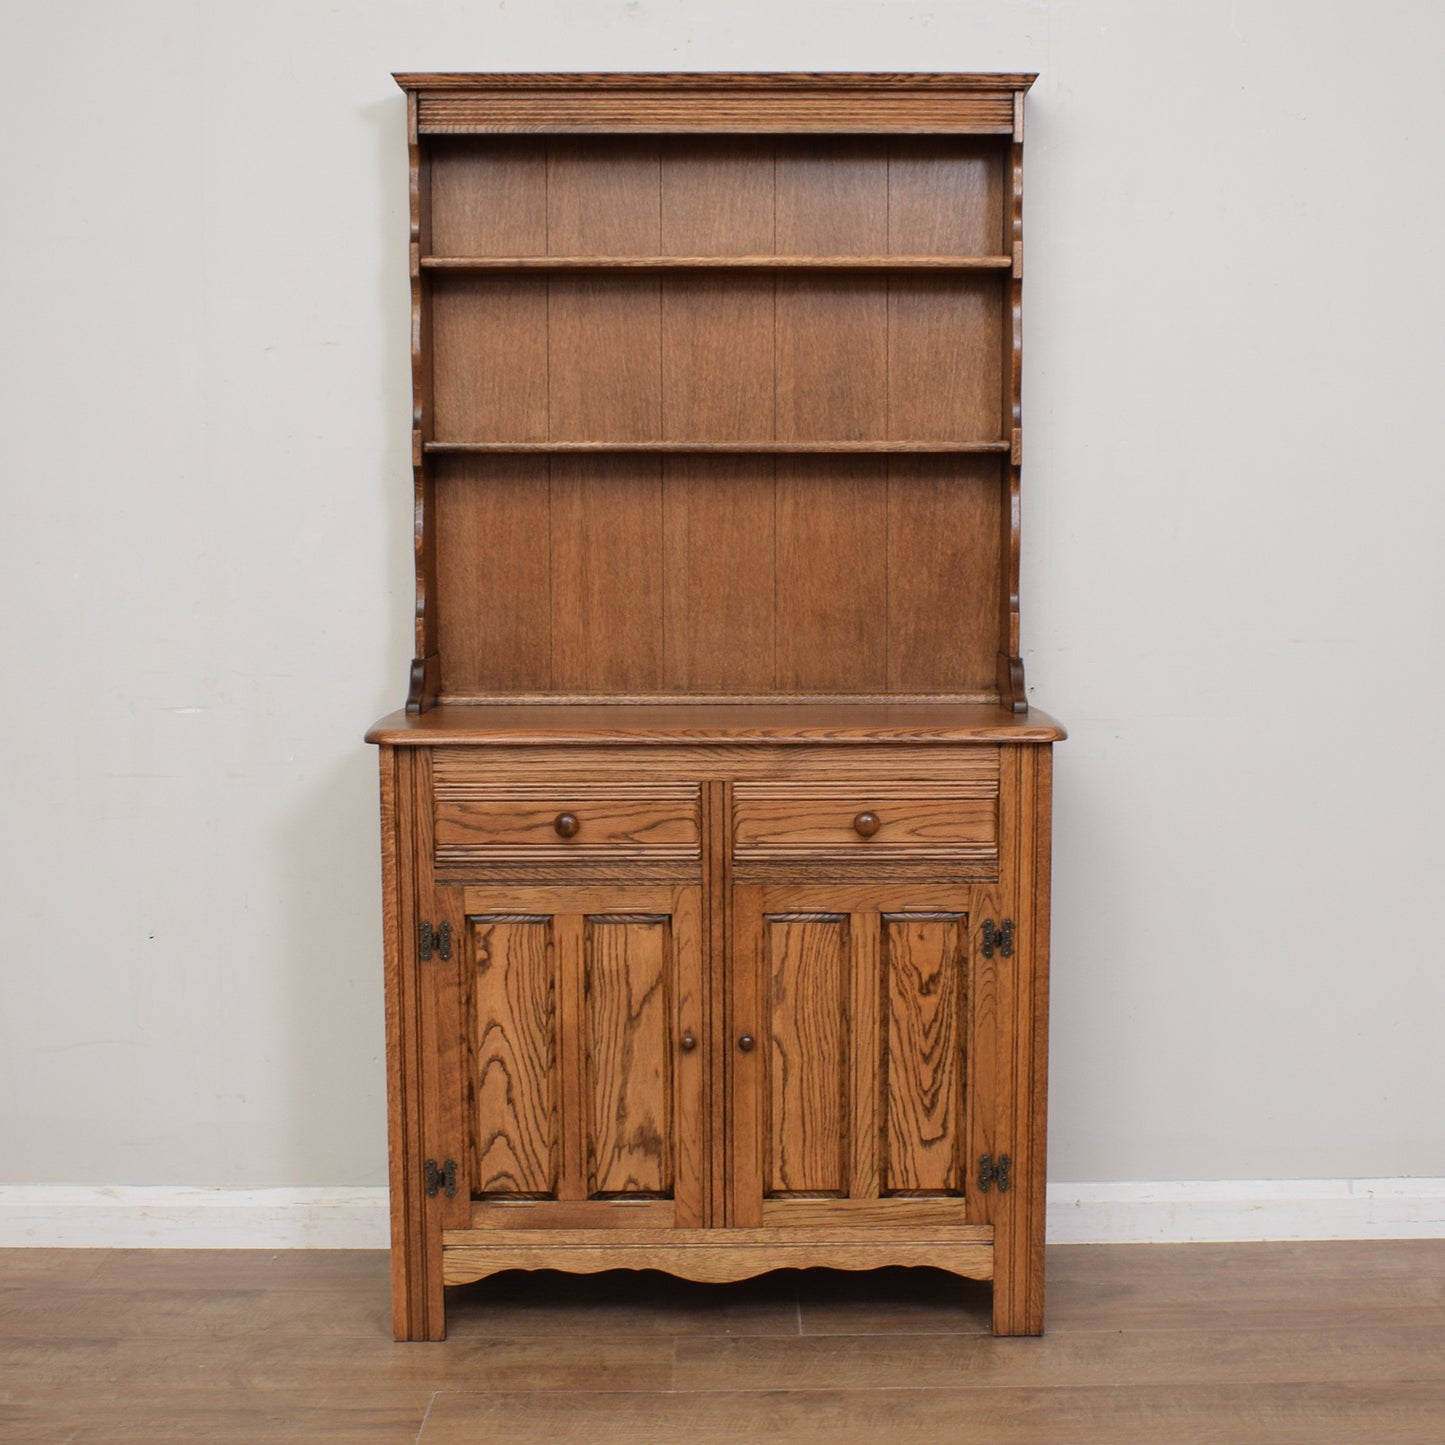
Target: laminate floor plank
[(183, 1313), (1291, 1344), (1102, 1415), (1165, 1293), (52, 1268), (370, 1368), (219, 1417), (358, 1270), (1132, 1357)]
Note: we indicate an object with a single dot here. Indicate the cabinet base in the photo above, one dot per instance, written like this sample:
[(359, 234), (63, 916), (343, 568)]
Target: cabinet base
[(700, 1254)]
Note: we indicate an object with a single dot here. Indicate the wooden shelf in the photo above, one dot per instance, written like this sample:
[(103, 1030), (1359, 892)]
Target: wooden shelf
[(802, 448), (722, 263)]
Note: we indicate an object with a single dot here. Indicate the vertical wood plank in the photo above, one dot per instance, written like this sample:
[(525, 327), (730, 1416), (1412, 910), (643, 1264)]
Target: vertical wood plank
[(1010, 665), (832, 557), (424, 1315), (490, 350), (489, 197), (716, 805), (603, 197), (570, 952), (604, 338), (718, 577), (747, 1076), (717, 358), (943, 333), (693, 1145), (807, 1131), (515, 1044), (832, 197), (865, 1055), (717, 196), (945, 196), (628, 967), (449, 985), (943, 573), (606, 544), (923, 965), (494, 578), (408, 1226), (832, 357)]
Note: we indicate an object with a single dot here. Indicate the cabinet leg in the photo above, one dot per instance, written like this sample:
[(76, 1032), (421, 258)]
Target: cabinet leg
[(1018, 1292), (418, 1310)]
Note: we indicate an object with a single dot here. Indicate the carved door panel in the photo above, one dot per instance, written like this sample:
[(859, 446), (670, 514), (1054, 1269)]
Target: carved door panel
[(580, 1021), (862, 1056)]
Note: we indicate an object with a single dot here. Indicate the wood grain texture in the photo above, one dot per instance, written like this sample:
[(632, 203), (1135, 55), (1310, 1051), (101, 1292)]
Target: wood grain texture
[(481, 819), (945, 197), (630, 1042), (831, 574), (943, 336), (818, 818), (704, 1255), (807, 1084), (604, 358), (717, 358), (717, 197), (606, 526), (489, 198), (944, 631), (924, 968), (494, 574), (490, 354), (517, 1127), (935, 728), (685, 262), (718, 576), (603, 196), (831, 353)]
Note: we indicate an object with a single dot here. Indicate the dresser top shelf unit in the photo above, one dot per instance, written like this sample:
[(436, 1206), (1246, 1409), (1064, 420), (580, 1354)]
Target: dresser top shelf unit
[(716, 387)]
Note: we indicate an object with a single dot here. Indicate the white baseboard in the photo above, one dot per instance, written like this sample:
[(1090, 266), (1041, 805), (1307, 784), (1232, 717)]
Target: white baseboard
[(127, 1217), (1183, 1211)]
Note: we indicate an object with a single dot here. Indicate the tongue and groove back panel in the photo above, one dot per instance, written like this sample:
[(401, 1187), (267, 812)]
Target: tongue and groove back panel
[(719, 415)]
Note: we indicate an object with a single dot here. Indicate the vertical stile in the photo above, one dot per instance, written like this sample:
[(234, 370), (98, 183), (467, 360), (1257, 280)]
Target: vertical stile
[(426, 666), (1010, 670)]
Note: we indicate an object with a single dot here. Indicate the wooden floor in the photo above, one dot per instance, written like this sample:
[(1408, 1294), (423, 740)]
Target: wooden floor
[(1311, 1344)]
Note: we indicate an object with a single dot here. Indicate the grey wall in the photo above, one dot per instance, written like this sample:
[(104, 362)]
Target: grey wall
[(1233, 513)]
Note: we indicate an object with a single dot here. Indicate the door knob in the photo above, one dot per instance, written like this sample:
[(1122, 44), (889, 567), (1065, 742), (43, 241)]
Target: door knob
[(687, 1043), (566, 825), (746, 1043)]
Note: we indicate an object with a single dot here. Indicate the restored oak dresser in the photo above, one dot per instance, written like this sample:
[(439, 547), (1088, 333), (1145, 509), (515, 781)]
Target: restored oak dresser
[(716, 828)]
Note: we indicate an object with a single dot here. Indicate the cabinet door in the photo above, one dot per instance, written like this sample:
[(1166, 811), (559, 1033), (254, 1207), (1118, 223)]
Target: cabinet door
[(581, 1023), (861, 1054)]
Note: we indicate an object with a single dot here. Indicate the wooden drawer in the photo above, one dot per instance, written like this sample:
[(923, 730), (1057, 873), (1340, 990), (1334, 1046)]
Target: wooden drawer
[(916, 820), (487, 820)]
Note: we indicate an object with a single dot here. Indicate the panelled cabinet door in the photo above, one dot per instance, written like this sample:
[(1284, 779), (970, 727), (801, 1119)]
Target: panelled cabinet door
[(580, 1021), (862, 1063)]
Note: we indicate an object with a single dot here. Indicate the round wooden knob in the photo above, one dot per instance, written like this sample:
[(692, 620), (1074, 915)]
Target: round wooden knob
[(746, 1043), (566, 825), (865, 825), (688, 1043)]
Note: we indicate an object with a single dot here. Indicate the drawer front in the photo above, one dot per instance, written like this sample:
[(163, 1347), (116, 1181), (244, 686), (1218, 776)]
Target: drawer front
[(892, 820), (485, 820)]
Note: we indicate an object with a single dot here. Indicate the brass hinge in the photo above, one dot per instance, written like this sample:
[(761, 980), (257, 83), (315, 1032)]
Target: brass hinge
[(428, 938), (443, 1179), (1001, 938), (990, 1173)]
